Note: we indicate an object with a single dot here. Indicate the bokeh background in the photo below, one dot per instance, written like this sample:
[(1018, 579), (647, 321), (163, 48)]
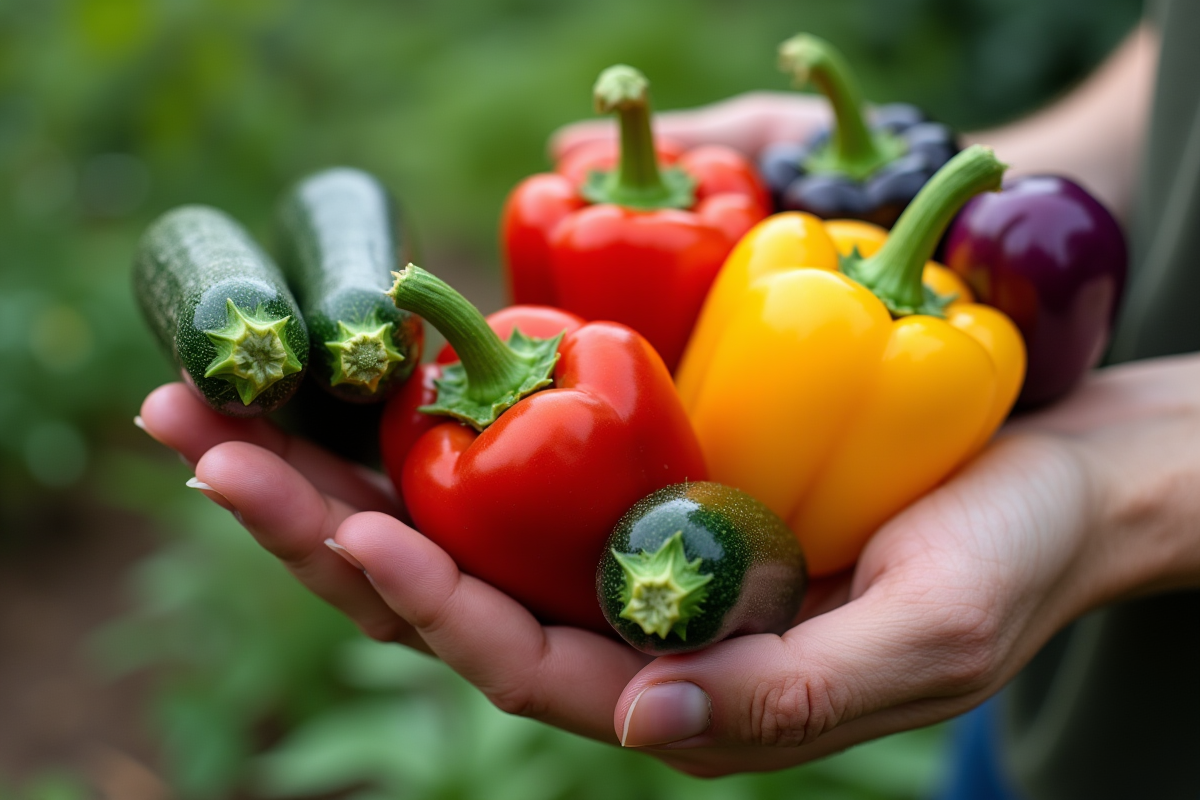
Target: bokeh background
[(147, 648)]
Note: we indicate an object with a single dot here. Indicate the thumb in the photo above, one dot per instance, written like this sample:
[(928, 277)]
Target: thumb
[(878, 653)]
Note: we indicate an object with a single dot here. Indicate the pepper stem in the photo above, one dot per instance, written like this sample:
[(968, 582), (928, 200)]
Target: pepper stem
[(491, 376), (894, 272), (637, 182), (855, 150)]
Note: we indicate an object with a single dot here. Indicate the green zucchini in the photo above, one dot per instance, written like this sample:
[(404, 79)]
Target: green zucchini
[(340, 241), (696, 563), (222, 309)]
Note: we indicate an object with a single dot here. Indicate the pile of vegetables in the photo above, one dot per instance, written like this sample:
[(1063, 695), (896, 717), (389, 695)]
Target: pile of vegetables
[(694, 405)]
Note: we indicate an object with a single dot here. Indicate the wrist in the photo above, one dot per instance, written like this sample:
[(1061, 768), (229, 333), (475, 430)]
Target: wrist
[(1147, 534)]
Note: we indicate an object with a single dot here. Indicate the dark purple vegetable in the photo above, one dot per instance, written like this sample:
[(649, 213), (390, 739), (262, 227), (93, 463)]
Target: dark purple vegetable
[(1051, 257), (856, 170)]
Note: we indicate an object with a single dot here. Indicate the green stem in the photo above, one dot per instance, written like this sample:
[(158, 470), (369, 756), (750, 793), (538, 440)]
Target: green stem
[(855, 150), (623, 89), (363, 354), (491, 375), (894, 272), (637, 181), (662, 591), (252, 351)]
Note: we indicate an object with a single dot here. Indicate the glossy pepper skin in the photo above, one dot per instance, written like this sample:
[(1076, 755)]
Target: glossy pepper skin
[(1051, 257), (837, 401), (853, 171), (612, 217), (403, 422), (526, 500)]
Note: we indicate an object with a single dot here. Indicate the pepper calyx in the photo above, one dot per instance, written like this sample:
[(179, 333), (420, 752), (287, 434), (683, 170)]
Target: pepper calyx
[(853, 149), (491, 376), (252, 351), (662, 591), (637, 182), (930, 303), (894, 272), (363, 354), (678, 190), (454, 387)]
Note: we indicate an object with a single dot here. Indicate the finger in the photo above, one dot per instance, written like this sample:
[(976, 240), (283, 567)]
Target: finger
[(291, 520), (564, 676), (176, 417), (936, 597), (782, 693)]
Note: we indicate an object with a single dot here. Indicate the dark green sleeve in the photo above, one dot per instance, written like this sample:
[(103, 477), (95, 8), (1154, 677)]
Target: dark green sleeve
[(1109, 709)]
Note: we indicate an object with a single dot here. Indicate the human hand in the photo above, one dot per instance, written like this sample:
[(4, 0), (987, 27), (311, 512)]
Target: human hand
[(290, 494), (1074, 507), (747, 122)]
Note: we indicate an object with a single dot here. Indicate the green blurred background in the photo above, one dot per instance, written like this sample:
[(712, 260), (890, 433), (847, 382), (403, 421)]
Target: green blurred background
[(183, 661)]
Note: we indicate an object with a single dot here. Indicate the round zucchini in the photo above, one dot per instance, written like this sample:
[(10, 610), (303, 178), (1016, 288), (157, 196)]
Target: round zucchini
[(222, 309), (340, 241), (696, 563)]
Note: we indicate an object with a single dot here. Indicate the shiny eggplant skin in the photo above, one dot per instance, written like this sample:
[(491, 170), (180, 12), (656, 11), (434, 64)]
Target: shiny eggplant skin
[(1051, 257)]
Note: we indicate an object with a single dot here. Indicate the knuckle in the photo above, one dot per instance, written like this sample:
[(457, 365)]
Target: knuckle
[(520, 693), (518, 700), (387, 631), (436, 608), (791, 711)]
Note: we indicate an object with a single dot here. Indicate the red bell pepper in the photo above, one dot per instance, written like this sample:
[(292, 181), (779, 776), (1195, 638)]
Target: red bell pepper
[(403, 422), (661, 220), (551, 441)]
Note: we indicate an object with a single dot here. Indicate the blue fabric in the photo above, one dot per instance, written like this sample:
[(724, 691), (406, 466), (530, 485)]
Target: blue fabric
[(975, 770)]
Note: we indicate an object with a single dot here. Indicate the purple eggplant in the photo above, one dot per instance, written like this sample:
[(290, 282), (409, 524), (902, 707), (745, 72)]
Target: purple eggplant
[(1051, 257)]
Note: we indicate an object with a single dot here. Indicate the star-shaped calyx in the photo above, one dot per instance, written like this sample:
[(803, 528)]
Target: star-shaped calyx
[(662, 590), (252, 352), (363, 355)]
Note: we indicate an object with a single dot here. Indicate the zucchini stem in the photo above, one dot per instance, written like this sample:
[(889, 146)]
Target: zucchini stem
[(662, 590), (252, 352), (363, 355)]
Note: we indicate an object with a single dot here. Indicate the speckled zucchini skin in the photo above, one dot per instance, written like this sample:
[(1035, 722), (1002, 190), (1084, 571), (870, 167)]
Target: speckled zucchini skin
[(339, 241), (189, 263), (759, 575)]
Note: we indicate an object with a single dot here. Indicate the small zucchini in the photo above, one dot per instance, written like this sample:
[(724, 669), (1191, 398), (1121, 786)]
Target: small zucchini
[(696, 563), (221, 308), (340, 241)]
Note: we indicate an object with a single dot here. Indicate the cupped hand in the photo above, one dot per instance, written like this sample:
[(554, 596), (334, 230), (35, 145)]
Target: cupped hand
[(747, 122), (290, 494), (1071, 508)]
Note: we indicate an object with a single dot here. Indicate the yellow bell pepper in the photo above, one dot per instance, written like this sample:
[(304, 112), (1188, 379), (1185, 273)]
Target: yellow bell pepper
[(838, 401)]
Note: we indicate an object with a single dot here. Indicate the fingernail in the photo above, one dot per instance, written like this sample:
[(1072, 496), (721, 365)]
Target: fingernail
[(346, 554), (666, 712), (212, 494), (138, 421), (186, 463)]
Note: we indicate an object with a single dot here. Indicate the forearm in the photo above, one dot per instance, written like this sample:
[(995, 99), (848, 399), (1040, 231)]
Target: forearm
[(1135, 429), (1093, 134)]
